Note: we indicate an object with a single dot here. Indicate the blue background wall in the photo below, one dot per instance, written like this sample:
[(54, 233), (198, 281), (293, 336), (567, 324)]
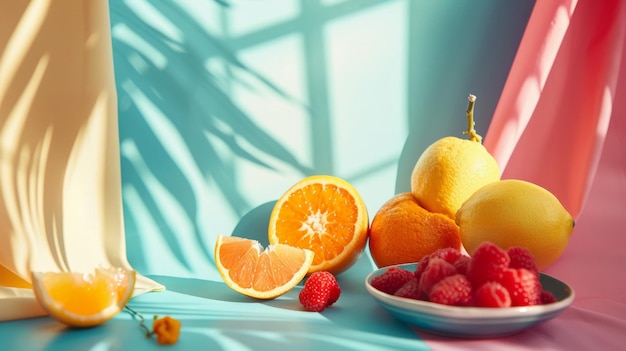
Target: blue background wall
[(222, 107)]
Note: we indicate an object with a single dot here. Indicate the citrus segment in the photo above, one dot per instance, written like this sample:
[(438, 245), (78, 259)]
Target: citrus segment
[(402, 231), (260, 273), (326, 215), (84, 299)]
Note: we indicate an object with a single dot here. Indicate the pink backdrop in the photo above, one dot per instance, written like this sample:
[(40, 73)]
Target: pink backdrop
[(561, 123)]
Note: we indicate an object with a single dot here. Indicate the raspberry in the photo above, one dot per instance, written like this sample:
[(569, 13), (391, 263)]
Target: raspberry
[(461, 264), (521, 257), (392, 279), (487, 264), (547, 297), (492, 294), (335, 292), (320, 291), (437, 269), (410, 290), (421, 266), (449, 254), (523, 286), (452, 290)]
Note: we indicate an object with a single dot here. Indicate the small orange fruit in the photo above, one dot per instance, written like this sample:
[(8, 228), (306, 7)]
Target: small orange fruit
[(84, 300), (402, 231), (260, 273), (326, 215)]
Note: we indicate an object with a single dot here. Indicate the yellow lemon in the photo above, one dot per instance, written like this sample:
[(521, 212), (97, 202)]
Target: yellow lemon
[(516, 213), (451, 169)]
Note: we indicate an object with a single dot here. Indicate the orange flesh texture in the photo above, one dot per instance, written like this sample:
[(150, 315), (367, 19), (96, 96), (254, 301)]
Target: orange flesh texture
[(85, 294), (250, 267), (77, 295), (326, 213)]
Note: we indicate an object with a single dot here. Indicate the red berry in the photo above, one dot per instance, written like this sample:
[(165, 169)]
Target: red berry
[(521, 257), (547, 297), (335, 292), (461, 264), (320, 291), (410, 290), (421, 266), (452, 290), (448, 254), (523, 286), (437, 269), (392, 279), (487, 264), (492, 294)]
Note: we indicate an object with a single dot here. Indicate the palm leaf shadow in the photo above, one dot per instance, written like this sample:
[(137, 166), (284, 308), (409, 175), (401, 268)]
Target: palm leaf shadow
[(196, 106)]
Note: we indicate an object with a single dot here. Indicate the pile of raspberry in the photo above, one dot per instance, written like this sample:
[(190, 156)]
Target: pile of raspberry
[(492, 277)]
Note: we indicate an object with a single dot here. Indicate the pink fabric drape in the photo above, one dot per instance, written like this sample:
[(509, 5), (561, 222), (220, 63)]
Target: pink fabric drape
[(551, 121), (561, 123)]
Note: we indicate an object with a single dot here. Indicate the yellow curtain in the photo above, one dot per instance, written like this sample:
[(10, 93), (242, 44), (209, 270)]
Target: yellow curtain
[(60, 182)]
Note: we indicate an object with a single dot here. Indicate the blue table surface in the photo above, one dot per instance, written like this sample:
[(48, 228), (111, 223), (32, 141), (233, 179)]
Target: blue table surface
[(214, 317)]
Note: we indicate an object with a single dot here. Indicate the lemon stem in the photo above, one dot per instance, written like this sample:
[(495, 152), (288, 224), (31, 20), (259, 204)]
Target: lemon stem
[(473, 136)]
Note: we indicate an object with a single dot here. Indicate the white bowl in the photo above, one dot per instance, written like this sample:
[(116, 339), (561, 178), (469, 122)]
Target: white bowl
[(471, 322)]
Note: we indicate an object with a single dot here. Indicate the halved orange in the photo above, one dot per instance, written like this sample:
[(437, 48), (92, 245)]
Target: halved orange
[(326, 215), (260, 273), (84, 299)]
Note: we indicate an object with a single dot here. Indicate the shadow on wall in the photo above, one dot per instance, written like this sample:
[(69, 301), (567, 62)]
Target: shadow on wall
[(456, 49), (182, 132), (172, 110)]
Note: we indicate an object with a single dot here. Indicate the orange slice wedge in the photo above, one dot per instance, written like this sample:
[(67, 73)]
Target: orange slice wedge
[(84, 299), (326, 215), (260, 273)]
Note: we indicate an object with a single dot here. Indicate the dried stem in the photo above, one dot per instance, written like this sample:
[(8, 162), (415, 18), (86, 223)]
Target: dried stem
[(473, 136), (142, 325)]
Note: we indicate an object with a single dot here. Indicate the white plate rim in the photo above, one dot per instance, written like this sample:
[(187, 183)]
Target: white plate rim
[(467, 313)]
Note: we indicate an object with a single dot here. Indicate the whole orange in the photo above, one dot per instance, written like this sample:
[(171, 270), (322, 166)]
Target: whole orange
[(402, 231)]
